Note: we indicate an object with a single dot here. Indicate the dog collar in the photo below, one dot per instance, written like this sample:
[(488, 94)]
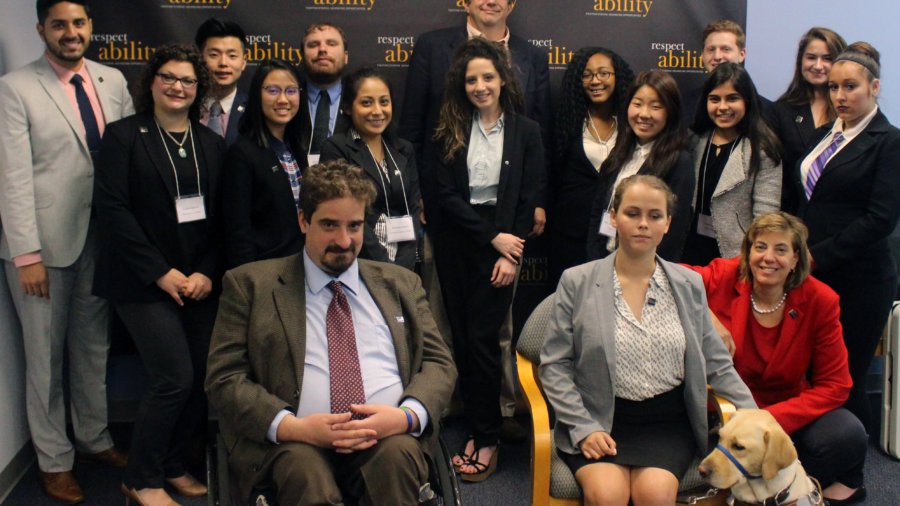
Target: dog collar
[(737, 464), (814, 498)]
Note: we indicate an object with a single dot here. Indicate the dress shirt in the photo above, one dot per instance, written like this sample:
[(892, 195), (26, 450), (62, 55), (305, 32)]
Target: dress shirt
[(226, 103), (65, 76), (474, 32), (377, 357), (649, 353), (631, 167), (312, 95), (849, 135), (484, 159), (597, 151)]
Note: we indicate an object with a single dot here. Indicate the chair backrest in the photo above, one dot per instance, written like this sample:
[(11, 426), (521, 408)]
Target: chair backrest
[(535, 331)]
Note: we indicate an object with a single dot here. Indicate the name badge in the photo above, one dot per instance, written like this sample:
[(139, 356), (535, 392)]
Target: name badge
[(606, 227), (705, 226), (312, 159), (400, 229), (190, 208)]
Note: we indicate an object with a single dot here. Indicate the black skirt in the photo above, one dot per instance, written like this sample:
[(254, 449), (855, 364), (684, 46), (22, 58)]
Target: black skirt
[(655, 432)]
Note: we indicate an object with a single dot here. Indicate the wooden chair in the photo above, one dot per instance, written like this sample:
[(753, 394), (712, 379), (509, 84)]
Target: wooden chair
[(552, 483)]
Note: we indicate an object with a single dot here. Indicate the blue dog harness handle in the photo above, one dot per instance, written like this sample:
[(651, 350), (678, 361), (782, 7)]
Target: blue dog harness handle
[(737, 464)]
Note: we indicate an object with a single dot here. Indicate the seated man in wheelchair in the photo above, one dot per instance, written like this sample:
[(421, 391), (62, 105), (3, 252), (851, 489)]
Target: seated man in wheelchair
[(328, 372)]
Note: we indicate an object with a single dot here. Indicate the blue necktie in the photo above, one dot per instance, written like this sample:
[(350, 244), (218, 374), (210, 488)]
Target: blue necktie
[(818, 165), (91, 130)]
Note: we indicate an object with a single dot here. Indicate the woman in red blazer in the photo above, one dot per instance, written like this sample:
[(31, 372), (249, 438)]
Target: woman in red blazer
[(789, 348)]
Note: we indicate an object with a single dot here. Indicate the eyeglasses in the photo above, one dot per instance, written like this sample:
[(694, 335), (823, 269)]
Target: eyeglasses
[(169, 80), (589, 76), (274, 91)]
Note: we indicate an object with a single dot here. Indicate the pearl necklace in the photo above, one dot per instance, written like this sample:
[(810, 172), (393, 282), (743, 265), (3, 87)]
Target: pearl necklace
[(774, 308)]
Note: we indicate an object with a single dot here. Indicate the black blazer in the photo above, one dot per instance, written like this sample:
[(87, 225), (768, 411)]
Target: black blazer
[(576, 185), (135, 208), (234, 117), (341, 123), (424, 93), (350, 147), (523, 164), (796, 129), (259, 211), (680, 179), (856, 202)]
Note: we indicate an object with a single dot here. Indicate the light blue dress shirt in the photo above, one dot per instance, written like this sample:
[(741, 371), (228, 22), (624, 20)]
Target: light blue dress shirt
[(374, 344), (484, 159), (312, 95)]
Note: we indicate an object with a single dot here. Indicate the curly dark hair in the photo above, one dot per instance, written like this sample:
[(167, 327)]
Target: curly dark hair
[(574, 103), (253, 121), (331, 180), (454, 126), (668, 143), (752, 126), (162, 55)]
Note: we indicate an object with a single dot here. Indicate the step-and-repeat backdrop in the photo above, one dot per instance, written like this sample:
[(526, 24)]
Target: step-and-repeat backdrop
[(658, 34)]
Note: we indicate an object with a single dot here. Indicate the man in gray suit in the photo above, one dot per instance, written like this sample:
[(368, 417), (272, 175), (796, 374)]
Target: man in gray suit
[(52, 114), (304, 343)]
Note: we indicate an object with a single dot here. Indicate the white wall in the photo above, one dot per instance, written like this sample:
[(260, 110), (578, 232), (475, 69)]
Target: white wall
[(19, 44), (774, 28)]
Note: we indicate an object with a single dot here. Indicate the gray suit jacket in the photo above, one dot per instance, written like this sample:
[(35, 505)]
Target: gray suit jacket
[(578, 360), (46, 173), (258, 349), (739, 197)]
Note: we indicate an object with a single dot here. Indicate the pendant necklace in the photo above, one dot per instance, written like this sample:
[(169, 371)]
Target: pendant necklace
[(181, 151)]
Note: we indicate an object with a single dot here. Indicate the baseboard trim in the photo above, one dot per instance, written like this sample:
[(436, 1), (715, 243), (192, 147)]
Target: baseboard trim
[(16, 469)]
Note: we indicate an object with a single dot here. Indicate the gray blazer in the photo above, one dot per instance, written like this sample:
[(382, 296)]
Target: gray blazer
[(46, 174), (578, 360), (738, 198)]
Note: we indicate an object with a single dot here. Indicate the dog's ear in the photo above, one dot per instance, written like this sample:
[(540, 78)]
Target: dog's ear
[(780, 452)]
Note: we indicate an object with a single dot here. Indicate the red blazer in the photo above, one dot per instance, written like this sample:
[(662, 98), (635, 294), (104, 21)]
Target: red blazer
[(811, 341)]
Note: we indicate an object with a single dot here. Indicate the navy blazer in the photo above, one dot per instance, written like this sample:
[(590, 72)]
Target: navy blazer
[(354, 150), (425, 83), (796, 129), (259, 210), (234, 117), (135, 209), (680, 179), (523, 164), (856, 202)]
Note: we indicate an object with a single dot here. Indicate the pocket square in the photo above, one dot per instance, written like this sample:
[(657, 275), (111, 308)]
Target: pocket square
[(399, 319)]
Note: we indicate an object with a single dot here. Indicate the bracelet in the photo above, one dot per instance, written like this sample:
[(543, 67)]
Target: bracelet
[(409, 419)]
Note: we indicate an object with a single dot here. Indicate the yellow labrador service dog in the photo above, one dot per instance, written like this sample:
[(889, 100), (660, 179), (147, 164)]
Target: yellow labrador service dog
[(756, 459)]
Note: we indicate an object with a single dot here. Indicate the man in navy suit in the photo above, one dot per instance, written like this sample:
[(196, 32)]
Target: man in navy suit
[(424, 93), (221, 44)]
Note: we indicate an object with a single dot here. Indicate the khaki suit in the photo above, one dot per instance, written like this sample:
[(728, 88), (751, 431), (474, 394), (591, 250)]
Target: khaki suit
[(46, 192)]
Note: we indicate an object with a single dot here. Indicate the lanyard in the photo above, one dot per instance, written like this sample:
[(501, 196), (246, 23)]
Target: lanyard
[(701, 189), (381, 175), (172, 163)]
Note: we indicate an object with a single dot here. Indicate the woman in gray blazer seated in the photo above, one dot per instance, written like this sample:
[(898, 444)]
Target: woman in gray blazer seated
[(737, 166), (628, 355)]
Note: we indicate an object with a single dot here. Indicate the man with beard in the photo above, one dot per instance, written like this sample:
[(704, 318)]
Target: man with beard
[(221, 43), (324, 57), (327, 371), (53, 113)]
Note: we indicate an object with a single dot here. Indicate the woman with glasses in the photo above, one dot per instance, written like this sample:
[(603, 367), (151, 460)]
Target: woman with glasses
[(263, 170), (590, 111), (157, 201), (392, 222)]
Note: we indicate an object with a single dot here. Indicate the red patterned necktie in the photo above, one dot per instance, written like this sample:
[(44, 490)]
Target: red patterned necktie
[(343, 359)]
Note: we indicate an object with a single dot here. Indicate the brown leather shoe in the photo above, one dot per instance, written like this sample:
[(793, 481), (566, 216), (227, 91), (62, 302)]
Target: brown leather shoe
[(188, 486), (62, 487), (111, 457)]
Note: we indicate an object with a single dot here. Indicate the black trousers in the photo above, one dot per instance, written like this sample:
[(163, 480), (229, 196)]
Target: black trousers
[(865, 302), (476, 311), (832, 448), (173, 343)]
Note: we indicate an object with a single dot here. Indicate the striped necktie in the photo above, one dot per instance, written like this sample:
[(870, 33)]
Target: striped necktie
[(818, 165)]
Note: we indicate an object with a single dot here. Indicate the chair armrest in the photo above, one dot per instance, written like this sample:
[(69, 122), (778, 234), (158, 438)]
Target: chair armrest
[(540, 423), (724, 407)]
